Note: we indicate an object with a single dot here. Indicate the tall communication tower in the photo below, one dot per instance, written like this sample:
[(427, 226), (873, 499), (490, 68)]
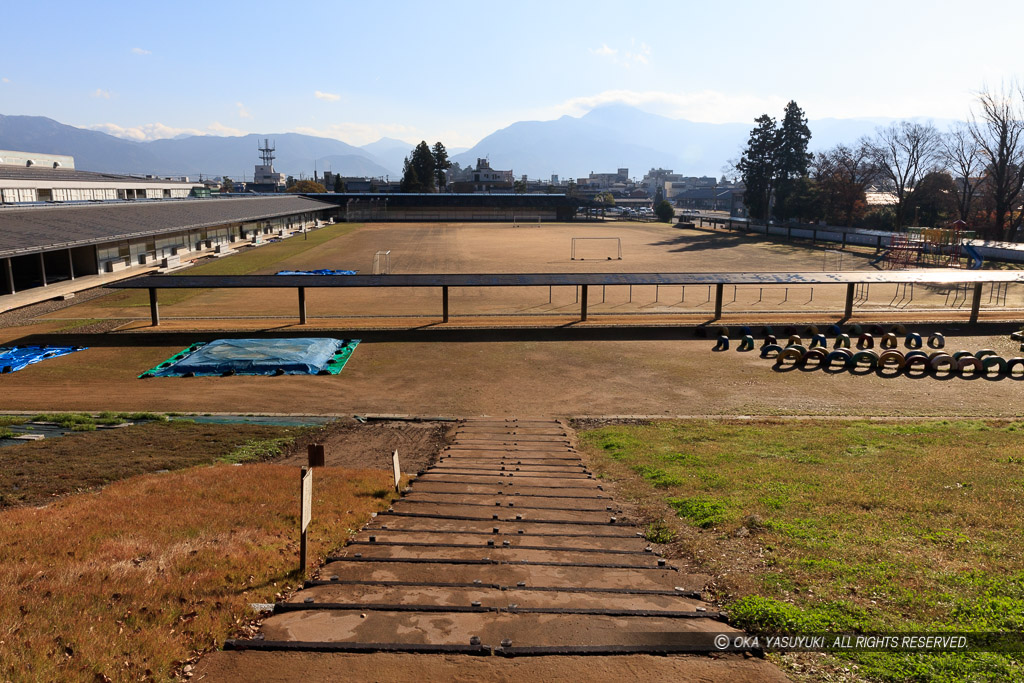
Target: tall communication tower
[(267, 152)]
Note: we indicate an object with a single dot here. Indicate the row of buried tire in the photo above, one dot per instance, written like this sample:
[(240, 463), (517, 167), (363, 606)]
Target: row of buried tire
[(984, 363)]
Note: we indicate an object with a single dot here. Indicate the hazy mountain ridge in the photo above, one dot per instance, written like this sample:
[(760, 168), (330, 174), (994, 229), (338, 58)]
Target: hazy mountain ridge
[(191, 155), (614, 136), (603, 140)]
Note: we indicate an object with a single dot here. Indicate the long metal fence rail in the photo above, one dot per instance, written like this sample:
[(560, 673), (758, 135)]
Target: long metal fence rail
[(855, 281)]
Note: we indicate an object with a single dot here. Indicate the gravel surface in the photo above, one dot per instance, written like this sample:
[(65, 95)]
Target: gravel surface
[(23, 315)]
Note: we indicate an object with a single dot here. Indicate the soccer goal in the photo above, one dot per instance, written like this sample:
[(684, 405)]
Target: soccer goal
[(523, 221), (600, 248), (832, 260), (382, 262)]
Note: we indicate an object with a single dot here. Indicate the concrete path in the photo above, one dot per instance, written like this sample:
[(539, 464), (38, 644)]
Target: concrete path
[(508, 549)]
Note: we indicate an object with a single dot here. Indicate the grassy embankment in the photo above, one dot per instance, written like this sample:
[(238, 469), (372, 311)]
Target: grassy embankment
[(247, 261), (842, 526), (130, 581)]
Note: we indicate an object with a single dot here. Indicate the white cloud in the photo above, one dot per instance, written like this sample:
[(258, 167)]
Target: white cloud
[(101, 94), (329, 96), (708, 106), (143, 133), (5, 80), (140, 51), (363, 133), (636, 55), (243, 113), (219, 128)]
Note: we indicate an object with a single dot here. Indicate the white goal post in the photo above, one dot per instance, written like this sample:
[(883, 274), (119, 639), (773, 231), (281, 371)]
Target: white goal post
[(618, 247), (382, 263)]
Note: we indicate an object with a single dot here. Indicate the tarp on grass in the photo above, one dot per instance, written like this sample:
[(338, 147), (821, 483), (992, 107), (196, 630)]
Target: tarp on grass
[(296, 356), (317, 272), (15, 358)]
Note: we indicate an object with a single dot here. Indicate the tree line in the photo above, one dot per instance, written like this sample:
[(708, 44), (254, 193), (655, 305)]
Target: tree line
[(424, 169), (974, 172)]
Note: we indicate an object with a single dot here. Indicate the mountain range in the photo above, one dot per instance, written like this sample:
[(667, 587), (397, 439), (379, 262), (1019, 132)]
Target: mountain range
[(619, 136), (601, 141)]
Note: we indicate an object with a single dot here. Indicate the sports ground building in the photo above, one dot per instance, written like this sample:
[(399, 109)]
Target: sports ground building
[(64, 230)]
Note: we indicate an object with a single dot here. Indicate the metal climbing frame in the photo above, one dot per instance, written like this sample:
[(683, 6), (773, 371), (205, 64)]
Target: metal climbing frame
[(904, 252)]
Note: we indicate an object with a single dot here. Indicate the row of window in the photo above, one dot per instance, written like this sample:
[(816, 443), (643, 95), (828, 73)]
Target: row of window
[(13, 195)]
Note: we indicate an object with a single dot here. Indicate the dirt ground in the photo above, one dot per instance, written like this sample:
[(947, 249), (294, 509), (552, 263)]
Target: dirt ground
[(348, 443), (541, 367), (501, 248)]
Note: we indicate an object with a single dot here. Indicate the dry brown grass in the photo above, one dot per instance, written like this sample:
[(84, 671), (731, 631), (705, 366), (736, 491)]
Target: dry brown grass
[(133, 580)]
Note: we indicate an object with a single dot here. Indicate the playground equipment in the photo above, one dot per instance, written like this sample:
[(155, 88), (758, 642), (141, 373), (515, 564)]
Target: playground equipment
[(888, 360), (931, 248)]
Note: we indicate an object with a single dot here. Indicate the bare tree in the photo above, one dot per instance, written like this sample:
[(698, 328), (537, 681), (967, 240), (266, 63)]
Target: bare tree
[(962, 156), (904, 153), (998, 129), (843, 175)]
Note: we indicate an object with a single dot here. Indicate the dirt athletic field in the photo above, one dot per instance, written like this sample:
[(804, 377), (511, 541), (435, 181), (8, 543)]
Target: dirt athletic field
[(560, 371)]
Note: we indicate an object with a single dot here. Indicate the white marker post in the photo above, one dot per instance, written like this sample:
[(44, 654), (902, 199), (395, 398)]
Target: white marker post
[(306, 514), (398, 471)]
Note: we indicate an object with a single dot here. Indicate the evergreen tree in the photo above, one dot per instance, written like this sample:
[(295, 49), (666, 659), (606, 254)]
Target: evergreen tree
[(441, 164), (775, 160), (410, 179), (664, 211), (757, 167), (339, 184), (792, 160), (423, 162)]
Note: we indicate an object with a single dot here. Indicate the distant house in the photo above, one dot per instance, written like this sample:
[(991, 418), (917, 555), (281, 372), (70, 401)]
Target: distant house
[(483, 178), (711, 199)]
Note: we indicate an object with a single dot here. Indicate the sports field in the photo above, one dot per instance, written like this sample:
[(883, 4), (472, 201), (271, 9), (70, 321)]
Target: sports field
[(565, 369)]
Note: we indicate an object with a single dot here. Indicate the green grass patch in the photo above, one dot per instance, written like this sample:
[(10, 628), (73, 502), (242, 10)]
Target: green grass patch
[(245, 262), (850, 525), (704, 512), (66, 420), (658, 477), (659, 532), (83, 421), (255, 450)]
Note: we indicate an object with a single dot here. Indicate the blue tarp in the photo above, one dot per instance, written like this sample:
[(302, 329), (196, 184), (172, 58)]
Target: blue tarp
[(317, 272), (298, 356), (15, 358)]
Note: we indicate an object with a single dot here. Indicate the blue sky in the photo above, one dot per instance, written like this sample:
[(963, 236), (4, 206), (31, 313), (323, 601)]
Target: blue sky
[(456, 71)]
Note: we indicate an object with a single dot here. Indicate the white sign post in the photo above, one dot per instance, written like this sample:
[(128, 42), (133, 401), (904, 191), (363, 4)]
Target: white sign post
[(398, 471), (306, 514)]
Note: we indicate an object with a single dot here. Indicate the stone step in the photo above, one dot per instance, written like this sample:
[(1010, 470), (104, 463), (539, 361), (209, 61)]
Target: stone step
[(491, 628), (567, 541), (504, 513), (465, 596), (393, 522), (500, 553), (511, 575), (511, 501), (596, 492)]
